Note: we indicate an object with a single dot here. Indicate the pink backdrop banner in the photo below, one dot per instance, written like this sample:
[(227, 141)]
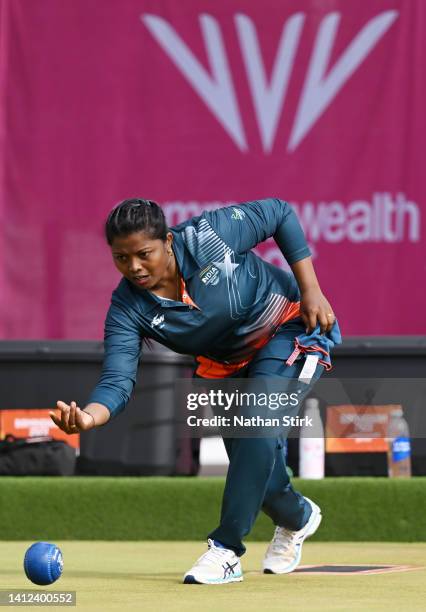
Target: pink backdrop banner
[(197, 104)]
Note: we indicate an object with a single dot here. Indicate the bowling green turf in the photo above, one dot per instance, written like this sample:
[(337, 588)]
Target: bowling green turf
[(147, 576)]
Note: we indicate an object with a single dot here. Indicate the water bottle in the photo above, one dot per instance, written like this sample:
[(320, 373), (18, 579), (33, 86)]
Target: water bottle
[(311, 443), (399, 447)]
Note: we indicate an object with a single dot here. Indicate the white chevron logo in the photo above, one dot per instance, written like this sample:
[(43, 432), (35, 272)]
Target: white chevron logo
[(215, 85)]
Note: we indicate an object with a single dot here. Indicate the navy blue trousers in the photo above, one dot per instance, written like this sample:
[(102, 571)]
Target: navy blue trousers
[(257, 478)]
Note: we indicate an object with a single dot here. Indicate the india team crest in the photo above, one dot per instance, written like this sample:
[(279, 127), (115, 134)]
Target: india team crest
[(210, 275)]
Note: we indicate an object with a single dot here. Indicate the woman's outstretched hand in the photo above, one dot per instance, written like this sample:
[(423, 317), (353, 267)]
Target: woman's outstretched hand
[(71, 418), (315, 310)]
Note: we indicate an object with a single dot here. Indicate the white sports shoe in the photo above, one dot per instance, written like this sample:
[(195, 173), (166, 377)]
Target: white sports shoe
[(217, 566), (285, 550)]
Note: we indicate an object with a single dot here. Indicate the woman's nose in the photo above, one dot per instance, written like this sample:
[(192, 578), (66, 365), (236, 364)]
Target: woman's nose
[(134, 265)]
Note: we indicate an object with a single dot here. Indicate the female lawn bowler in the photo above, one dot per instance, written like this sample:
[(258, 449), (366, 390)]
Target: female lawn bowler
[(198, 289)]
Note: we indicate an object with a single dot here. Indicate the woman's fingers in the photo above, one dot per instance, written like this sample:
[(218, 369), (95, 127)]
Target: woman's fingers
[(55, 419), (71, 420), (62, 422), (329, 317), (310, 320), (315, 310), (67, 418), (330, 320), (323, 322), (325, 318)]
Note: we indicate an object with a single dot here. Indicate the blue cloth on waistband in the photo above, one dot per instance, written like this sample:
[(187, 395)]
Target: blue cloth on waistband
[(317, 344)]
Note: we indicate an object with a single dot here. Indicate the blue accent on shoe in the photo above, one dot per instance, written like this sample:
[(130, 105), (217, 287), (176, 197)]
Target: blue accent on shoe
[(218, 544), (191, 580)]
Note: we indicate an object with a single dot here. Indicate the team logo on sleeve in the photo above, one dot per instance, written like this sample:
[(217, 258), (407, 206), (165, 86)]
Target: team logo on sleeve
[(238, 214), (210, 275)]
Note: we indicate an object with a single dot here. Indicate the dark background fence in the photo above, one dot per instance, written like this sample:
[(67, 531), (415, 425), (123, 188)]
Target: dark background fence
[(144, 439)]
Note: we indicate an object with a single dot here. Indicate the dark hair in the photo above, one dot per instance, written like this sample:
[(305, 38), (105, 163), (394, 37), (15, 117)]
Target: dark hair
[(136, 215)]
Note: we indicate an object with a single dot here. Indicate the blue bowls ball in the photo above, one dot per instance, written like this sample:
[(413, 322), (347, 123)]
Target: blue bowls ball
[(43, 563)]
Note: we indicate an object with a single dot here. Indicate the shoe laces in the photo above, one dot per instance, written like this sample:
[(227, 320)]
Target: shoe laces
[(214, 554), (283, 541)]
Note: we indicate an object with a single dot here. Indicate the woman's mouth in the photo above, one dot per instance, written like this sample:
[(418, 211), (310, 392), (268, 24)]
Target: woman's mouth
[(141, 280)]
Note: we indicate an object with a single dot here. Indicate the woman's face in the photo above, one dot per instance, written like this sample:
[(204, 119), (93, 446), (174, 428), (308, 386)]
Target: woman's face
[(144, 261)]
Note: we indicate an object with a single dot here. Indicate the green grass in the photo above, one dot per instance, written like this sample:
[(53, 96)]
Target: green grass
[(354, 509), (147, 576)]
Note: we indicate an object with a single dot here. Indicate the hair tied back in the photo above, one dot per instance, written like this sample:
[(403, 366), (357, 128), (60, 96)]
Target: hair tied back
[(136, 215)]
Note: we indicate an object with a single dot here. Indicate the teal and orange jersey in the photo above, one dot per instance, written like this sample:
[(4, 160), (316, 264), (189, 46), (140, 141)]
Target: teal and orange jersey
[(233, 302)]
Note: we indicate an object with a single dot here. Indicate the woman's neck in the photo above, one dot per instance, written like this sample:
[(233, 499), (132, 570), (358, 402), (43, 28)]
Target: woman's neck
[(171, 288)]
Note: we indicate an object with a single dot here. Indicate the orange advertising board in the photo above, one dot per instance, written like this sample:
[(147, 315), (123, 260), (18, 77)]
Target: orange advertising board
[(33, 424), (357, 428)]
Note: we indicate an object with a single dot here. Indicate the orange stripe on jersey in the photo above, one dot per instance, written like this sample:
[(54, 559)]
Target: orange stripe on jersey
[(215, 369), (186, 299), (292, 310), (209, 368)]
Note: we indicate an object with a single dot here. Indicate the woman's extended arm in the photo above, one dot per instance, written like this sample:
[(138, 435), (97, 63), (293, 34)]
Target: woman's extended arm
[(122, 344)]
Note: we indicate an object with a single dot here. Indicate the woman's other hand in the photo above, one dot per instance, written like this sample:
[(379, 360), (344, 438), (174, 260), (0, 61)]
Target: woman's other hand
[(315, 310)]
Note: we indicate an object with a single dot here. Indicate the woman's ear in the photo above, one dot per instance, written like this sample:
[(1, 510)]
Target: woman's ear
[(169, 242)]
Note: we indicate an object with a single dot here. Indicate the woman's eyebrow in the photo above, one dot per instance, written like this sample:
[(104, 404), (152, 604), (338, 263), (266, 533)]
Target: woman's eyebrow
[(143, 249)]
